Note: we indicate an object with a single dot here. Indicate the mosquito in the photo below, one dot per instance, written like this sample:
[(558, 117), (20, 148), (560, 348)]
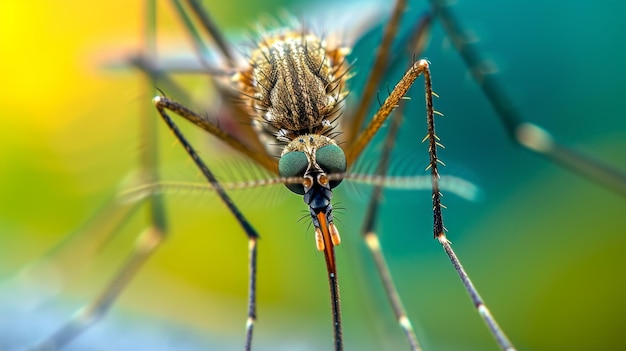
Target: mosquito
[(325, 164)]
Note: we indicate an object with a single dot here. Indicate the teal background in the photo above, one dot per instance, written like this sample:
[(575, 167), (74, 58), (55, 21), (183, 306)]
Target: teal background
[(542, 245)]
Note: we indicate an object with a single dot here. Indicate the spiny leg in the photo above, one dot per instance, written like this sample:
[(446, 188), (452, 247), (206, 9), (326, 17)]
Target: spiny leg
[(528, 135), (162, 104), (438, 227), (421, 67), (371, 239), (368, 230)]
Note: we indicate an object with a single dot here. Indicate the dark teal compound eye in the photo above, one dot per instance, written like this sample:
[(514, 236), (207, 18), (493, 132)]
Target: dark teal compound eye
[(332, 160), (293, 164)]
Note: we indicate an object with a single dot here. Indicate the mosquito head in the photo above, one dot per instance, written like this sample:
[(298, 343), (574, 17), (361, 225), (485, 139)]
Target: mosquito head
[(314, 157)]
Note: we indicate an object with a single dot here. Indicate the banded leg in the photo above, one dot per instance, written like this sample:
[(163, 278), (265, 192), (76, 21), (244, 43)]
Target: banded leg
[(439, 229), (162, 104)]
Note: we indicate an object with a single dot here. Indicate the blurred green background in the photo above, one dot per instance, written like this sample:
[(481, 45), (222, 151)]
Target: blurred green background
[(543, 245)]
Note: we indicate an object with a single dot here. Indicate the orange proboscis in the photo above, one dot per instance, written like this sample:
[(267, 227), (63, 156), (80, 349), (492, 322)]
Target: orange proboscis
[(329, 237)]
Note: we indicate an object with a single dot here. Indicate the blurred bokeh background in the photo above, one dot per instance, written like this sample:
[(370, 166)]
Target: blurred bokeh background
[(543, 245)]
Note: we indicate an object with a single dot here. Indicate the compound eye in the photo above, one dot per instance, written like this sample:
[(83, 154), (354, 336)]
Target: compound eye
[(293, 164), (332, 160)]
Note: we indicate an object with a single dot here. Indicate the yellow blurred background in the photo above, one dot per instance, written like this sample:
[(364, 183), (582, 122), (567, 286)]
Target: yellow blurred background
[(543, 246), (71, 135)]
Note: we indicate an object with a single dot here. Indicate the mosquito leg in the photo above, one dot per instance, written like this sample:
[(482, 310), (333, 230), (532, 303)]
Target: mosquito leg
[(528, 135), (208, 25), (199, 45), (421, 67), (149, 156), (370, 237), (373, 244), (212, 128), (162, 104), (439, 229), (369, 233), (161, 74)]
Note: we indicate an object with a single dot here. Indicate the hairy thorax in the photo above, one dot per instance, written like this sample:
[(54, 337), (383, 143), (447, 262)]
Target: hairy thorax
[(294, 85)]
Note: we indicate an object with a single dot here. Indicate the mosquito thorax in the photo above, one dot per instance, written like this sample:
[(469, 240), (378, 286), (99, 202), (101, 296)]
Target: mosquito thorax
[(311, 153), (295, 84)]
